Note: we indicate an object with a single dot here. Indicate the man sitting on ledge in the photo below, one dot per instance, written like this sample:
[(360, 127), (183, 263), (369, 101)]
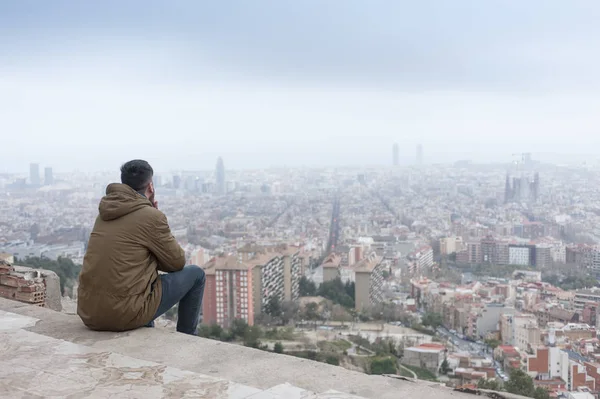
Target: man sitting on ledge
[(119, 285)]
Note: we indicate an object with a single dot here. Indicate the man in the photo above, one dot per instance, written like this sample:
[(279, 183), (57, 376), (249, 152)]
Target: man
[(119, 285)]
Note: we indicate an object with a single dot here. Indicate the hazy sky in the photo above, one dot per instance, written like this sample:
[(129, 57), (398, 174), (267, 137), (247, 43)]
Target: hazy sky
[(88, 85)]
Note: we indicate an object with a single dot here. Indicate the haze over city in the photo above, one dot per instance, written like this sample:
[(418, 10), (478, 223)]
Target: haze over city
[(296, 83)]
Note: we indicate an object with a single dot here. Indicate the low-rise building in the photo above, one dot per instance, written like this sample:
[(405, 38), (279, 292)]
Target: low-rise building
[(425, 356)]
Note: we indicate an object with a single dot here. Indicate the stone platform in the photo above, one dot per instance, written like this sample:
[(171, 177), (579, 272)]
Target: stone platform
[(46, 354)]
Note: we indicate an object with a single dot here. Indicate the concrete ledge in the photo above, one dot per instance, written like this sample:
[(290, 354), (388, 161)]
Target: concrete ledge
[(232, 362)]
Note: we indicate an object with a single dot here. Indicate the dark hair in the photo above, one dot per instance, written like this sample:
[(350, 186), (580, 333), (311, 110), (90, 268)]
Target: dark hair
[(137, 174)]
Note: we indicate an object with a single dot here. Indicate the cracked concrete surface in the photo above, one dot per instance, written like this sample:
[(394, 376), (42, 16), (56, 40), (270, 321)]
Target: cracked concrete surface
[(164, 363)]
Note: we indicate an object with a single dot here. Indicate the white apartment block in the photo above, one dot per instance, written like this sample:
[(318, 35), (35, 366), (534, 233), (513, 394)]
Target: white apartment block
[(518, 256)]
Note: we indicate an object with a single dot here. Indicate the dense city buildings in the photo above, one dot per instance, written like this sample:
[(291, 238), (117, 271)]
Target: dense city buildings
[(430, 243)]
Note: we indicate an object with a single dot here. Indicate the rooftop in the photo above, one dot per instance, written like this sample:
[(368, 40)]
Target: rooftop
[(367, 265), (47, 353)]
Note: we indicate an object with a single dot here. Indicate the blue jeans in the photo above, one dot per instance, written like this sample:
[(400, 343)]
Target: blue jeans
[(185, 287)]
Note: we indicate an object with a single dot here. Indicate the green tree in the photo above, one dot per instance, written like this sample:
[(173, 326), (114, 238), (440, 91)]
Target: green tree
[(385, 365), (278, 348), (541, 393), (273, 306), (213, 331), (289, 311), (337, 292), (311, 311), (445, 367), (433, 320), (491, 384), (239, 328), (332, 359), (520, 383), (350, 288), (252, 337), (307, 287), (492, 343)]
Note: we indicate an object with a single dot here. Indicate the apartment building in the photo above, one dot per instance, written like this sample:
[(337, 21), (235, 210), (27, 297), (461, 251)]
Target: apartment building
[(555, 314), (451, 245), (523, 255), (487, 319), (519, 330), (420, 260), (582, 297), (234, 295), (292, 272), (554, 363), (368, 281), (228, 293), (240, 286), (331, 267)]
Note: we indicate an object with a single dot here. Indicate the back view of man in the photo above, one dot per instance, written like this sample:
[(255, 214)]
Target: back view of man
[(119, 285)]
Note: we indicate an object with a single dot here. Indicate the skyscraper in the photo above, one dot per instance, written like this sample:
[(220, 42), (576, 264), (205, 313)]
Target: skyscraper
[(220, 177), (176, 182), (48, 177), (508, 195), (522, 189), (396, 154), (419, 154), (34, 174)]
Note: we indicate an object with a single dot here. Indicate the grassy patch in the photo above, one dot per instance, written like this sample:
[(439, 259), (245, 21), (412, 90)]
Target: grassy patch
[(281, 334), (334, 346), (422, 374)]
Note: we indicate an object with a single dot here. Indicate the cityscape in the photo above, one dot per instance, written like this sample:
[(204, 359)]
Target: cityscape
[(300, 199), (463, 272)]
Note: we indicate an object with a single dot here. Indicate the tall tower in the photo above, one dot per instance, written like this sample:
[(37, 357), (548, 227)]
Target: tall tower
[(508, 195), (420, 154), (396, 154), (48, 177), (34, 174), (535, 190), (220, 176)]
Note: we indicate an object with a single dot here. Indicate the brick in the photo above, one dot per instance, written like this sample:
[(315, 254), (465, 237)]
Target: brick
[(31, 288), (33, 297), (24, 283), (6, 269), (10, 280), (7, 292)]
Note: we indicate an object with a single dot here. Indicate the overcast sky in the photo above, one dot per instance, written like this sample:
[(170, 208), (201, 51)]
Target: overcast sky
[(87, 85)]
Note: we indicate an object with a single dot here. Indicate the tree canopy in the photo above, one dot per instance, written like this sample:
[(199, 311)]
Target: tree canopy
[(522, 384), (338, 292), (433, 320), (386, 365), (307, 287), (278, 348)]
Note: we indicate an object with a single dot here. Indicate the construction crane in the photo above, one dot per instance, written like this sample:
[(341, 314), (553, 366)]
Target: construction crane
[(523, 158)]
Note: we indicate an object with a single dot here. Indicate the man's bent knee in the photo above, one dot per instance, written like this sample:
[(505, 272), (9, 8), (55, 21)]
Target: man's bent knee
[(197, 272)]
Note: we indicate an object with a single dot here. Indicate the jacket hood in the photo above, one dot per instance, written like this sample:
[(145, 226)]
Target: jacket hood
[(120, 200)]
